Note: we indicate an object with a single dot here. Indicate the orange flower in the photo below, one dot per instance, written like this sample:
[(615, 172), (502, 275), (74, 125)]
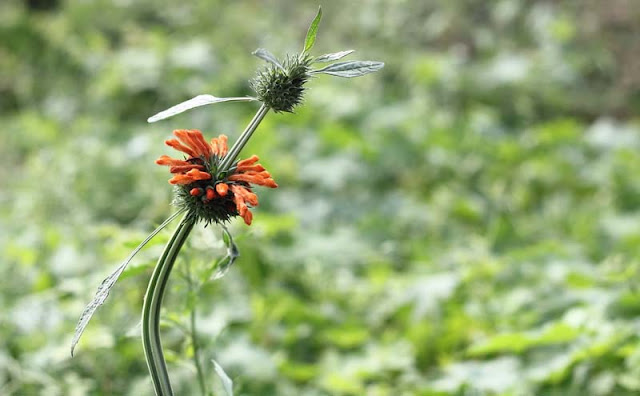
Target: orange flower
[(209, 194)]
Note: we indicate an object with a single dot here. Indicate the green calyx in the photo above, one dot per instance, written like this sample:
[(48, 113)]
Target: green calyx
[(218, 210), (282, 88)]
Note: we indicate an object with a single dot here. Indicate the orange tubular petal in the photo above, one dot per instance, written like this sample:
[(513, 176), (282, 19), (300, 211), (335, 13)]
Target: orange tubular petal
[(195, 192), (185, 168), (254, 179), (198, 175), (181, 179), (183, 135), (222, 145), (166, 160), (248, 216), (214, 146), (236, 189), (240, 205), (249, 161), (251, 198), (222, 189), (180, 147), (210, 193), (192, 176), (246, 195), (263, 174), (268, 183), (201, 143), (265, 181), (245, 178), (188, 139), (252, 168)]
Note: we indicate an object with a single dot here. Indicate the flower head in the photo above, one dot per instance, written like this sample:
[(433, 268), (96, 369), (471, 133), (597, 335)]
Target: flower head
[(211, 194), (281, 87)]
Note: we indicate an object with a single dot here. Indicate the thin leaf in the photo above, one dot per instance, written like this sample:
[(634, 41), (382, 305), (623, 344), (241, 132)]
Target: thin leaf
[(200, 100), (107, 284), (332, 57), (227, 383), (221, 267), (267, 56), (351, 68), (313, 30)]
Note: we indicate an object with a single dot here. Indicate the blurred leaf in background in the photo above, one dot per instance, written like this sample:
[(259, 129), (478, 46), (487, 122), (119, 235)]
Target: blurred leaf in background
[(466, 220)]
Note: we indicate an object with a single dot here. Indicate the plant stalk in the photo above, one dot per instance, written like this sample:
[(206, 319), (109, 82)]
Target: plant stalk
[(244, 138), (196, 353), (152, 305), (193, 331)]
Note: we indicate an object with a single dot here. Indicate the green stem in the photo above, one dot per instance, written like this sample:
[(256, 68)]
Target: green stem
[(244, 138), (152, 304), (196, 354), (193, 331)]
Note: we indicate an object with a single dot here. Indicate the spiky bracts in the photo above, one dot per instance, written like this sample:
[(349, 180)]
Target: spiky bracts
[(282, 89), (209, 194)]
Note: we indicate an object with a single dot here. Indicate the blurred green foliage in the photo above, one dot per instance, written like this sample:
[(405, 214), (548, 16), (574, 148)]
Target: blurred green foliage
[(465, 222)]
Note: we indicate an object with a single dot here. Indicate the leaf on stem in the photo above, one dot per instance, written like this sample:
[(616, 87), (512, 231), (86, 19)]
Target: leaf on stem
[(313, 30), (332, 57), (107, 284), (351, 68), (268, 56), (227, 383), (221, 267), (200, 100)]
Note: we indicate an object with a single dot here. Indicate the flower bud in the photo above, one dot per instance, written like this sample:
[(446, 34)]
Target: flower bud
[(281, 89)]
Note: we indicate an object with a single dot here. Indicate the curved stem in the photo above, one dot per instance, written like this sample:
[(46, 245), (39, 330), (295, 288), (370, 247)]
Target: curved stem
[(152, 304), (244, 138)]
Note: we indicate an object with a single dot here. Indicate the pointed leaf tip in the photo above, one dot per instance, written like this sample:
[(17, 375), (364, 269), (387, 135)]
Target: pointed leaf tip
[(313, 30), (200, 100), (227, 383), (332, 57), (351, 68), (267, 56), (106, 285)]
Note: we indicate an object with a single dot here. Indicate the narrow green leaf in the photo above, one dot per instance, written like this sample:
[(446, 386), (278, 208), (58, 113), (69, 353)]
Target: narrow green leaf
[(332, 57), (351, 68), (313, 30), (108, 283), (227, 383), (200, 100), (267, 56)]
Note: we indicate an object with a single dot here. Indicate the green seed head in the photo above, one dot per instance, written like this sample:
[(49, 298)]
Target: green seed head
[(283, 89)]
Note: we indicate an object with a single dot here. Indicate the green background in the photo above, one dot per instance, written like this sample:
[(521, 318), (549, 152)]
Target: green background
[(464, 222)]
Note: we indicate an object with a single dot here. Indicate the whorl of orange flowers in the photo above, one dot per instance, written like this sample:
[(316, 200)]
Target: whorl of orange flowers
[(210, 194)]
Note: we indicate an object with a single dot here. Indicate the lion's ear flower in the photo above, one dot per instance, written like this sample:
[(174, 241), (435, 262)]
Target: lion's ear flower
[(213, 186), (202, 187)]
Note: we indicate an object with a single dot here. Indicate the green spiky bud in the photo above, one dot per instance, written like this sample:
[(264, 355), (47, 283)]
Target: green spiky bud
[(282, 88)]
